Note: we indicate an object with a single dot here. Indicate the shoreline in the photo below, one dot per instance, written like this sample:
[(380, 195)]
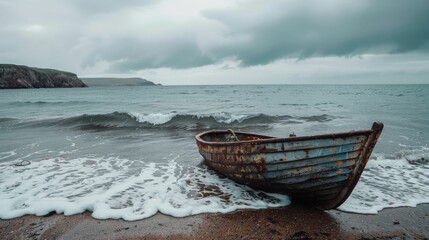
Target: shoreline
[(290, 222)]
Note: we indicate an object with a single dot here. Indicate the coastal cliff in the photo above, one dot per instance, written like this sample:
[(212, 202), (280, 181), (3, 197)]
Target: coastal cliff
[(16, 76), (106, 81)]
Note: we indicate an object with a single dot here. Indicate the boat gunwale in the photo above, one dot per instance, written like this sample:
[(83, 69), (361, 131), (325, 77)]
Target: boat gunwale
[(268, 139)]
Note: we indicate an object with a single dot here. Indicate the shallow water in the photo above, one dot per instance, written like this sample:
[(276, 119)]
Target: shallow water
[(128, 152)]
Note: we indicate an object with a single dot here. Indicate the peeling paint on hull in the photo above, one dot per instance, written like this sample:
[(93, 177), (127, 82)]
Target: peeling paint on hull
[(320, 170)]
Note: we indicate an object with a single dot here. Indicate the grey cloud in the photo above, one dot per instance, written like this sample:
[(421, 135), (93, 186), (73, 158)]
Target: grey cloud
[(106, 6), (399, 25), (287, 29), (128, 54), (78, 34)]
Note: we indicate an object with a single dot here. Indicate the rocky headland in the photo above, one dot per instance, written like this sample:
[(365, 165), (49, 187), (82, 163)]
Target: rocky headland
[(16, 76), (107, 81)]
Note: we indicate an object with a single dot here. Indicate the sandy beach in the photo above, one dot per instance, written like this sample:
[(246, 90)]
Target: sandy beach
[(292, 222)]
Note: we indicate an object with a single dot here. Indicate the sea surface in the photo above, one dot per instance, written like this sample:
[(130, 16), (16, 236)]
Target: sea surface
[(130, 152)]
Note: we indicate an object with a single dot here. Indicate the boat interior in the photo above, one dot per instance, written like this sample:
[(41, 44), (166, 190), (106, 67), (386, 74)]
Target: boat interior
[(230, 136)]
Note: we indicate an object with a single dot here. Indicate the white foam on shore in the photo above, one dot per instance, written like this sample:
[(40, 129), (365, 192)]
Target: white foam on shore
[(131, 190), (120, 188), (398, 180)]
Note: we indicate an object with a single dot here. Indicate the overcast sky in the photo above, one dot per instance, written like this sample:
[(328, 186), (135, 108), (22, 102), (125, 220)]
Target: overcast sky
[(222, 42)]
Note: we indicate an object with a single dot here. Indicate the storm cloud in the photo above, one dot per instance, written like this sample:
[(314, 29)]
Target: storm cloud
[(128, 36), (259, 33), (324, 28)]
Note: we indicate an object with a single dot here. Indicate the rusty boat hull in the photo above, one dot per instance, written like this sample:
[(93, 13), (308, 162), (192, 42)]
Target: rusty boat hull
[(320, 170)]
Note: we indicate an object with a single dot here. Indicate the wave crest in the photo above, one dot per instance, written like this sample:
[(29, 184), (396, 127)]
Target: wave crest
[(418, 156), (115, 120)]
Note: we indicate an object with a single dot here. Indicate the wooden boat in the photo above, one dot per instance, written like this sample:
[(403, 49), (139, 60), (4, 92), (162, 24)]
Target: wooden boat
[(320, 170)]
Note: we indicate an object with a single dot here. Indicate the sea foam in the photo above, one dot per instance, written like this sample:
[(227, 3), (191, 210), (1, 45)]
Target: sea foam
[(112, 187), (392, 180), (120, 188)]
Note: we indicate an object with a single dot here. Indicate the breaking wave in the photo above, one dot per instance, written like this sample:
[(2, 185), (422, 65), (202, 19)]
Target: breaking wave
[(419, 156), (117, 120)]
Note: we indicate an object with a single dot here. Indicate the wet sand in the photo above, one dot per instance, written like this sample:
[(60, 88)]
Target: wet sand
[(292, 222)]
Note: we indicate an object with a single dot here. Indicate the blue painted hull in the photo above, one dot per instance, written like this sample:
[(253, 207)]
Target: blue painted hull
[(321, 170)]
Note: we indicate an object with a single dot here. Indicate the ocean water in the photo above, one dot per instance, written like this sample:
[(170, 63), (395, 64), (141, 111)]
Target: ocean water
[(129, 152)]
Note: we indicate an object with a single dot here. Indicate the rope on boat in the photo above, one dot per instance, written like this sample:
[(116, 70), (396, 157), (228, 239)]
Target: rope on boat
[(233, 133)]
